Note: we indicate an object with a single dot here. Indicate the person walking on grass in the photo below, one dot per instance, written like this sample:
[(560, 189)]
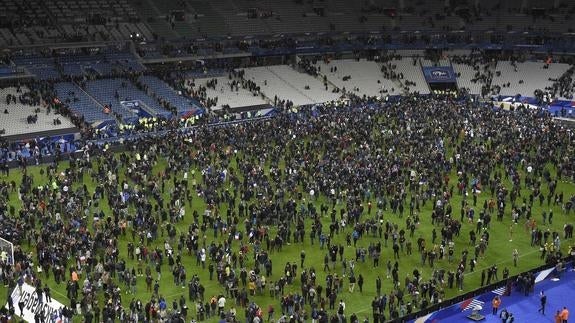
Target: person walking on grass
[(511, 233), (543, 301), (352, 282), (515, 257)]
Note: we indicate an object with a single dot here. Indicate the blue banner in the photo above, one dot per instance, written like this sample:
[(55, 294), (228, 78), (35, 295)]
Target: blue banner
[(137, 108), (441, 74)]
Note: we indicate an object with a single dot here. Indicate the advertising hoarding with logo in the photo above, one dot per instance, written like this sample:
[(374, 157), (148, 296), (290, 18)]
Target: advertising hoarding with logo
[(32, 305), (441, 74)]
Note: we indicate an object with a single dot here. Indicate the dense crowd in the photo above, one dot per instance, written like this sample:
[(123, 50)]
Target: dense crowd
[(563, 86), (396, 155)]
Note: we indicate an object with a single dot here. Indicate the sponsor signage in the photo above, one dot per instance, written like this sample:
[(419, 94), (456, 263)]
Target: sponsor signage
[(133, 105), (32, 305), (441, 74)]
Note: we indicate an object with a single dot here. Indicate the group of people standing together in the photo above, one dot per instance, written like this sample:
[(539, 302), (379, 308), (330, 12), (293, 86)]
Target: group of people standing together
[(232, 198)]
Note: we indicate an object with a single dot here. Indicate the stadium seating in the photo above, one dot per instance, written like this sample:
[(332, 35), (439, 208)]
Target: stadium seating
[(299, 81), (15, 121), (76, 65), (520, 77), (271, 85), (80, 102), (161, 90), (287, 83), (105, 90), (38, 22), (412, 72), (227, 96), (364, 75), (467, 75), (69, 10), (429, 63), (42, 22), (42, 67)]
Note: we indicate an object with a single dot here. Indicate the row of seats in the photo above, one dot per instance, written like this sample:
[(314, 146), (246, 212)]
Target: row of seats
[(228, 96), (412, 73), (365, 77), (66, 10), (49, 68), (112, 92), (36, 21), (286, 83), (13, 116), (80, 102), (98, 94), (524, 78), (467, 74), (165, 92), (66, 32), (310, 86), (245, 17)]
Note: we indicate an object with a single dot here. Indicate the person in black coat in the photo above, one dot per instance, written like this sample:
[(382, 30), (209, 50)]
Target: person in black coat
[(543, 301)]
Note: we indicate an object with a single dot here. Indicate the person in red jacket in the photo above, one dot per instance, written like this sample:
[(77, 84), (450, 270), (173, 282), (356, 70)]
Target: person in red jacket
[(495, 303), (564, 315)]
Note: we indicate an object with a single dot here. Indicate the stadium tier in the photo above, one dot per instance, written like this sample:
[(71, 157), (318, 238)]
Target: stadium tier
[(80, 102), (21, 112), (168, 96)]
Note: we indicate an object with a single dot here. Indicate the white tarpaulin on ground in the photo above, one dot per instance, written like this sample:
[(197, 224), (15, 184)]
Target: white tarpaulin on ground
[(48, 310)]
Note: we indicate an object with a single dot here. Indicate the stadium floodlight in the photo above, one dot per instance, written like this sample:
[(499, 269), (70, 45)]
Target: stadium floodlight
[(6, 251)]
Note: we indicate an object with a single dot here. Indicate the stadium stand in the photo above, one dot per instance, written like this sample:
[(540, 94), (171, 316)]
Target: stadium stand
[(81, 103), (563, 86), (45, 22), (434, 63), (360, 76), (310, 86), (41, 67), (24, 116), (466, 78), (121, 20), (512, 78), (112, 92), (284, 82), (103, 64), (412, 80), (227, 96), (272, 85), (167, 97)]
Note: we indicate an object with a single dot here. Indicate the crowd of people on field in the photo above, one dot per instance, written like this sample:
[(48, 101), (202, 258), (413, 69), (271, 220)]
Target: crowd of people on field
[(341, 178)]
